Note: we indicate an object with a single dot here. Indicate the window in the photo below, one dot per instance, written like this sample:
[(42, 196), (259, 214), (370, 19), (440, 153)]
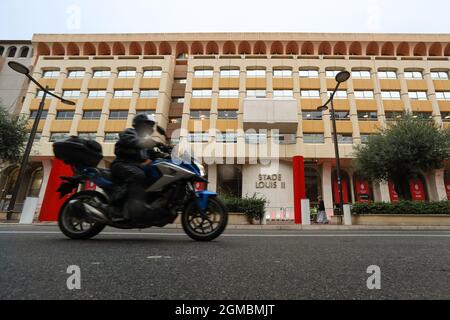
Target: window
[(283, 93), (229, 180), (149, 112), (422, 115), (285, 138), (256, 73), (149, 94), (118, 115), (40, 94), (24, 52), (200, 114), (12, 52), (310, 93), (198, 137), (227, 114), (178, 100), (226, 137), (33, 114), (413, 75), (390, 95), (181, 81), (312, 115), (340, 94), (96, 94), (332, 73), (233, 93), (282, 73), (58, 136), (205, 73), (445, 116), (152, 73), (345, 139), (439, 75), (256, 93), (367, 115), (71, 94), (418, 95), (122, 94), (309, 74), (202, 93), (112, 136), (230, 73), (87, 135), (76, 74), (387, 75), (361, 74), (342, 115), (392, 115), (50, 74), (363, 95), (255, 138), (102, 74), (92, 115), (313, 138), (127, 74), (443, 95), (65, 115), (365, 138)]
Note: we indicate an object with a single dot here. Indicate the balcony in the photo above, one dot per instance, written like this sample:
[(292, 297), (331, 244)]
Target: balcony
[(270, 114)]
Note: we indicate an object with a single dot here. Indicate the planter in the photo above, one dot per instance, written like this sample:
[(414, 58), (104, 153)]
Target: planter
[(401, 220)]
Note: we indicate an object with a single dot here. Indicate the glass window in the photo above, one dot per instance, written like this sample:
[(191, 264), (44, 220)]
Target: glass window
[(345, 138), (65, 115), (50, 74), (387, 75), (122, 94), (361, 74), (227, 114), (40, 94), (443, 95), (390, 95), (392, 115), (87, 135), (342, 115), (101, 74), (96, 94), (340, 94), (413, 75), (365, 138), (152, 73), (313, 138), (200, 114), (309, 74), (58, 136), (127, 74), (418, 95), (118, 115), (112, 136), (256, 138), (76, 74), (282, 73), (33, 114), (149, 94), (229, 180), (439, 75), (92, 114), (312, 115), (445, 116), (149, 112), (256, 93), (283, 93), (202, 93), (71, 93), (310, 93), (285, 138), (332, 73), (256, 73), (367, 115), (233, 93), (422, 115), (198, 137), (230, 73), (363, 95), (205, 73), (226, 137)]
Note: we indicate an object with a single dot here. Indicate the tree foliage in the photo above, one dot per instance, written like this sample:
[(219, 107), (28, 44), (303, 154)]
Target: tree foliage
[(406, 148), (13, 135)]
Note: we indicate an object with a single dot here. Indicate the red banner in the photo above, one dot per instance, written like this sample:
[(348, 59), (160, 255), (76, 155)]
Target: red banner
[(417, 190), (392, 192), (344, 191), (447, 187), (362, 191)]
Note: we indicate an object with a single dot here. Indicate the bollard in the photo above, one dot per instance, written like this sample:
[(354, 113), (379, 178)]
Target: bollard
[(347, 215), (29, 209)]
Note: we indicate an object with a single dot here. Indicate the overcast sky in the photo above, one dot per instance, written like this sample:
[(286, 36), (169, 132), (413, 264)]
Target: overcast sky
[(19, 19)]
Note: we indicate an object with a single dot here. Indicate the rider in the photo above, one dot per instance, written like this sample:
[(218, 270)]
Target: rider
[(131, 157)]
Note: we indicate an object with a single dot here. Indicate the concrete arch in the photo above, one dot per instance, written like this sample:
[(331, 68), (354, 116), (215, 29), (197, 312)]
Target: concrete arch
[(259, 47), (244, 48), (435, 50), (104, 49), (373, 49), (292, 48), (388, 49), (73, 49), (118, 49), (212, 48), (277, 48), (58, 49), (229, 48), (135, 49), (165, 48), (447, 50), (420, 50), (197, 48), (181, 50), (403, 49), (355, 49), (340, 49), (325, 48), (307, 48), (24, 52), (150, 49), (89, 49), (43, 49)]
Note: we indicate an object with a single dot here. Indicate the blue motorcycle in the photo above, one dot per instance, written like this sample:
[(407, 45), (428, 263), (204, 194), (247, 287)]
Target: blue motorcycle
[(170, 193)]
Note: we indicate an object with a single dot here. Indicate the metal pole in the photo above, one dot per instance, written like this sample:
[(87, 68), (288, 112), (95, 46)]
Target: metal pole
[(338, 162), (26, 156)]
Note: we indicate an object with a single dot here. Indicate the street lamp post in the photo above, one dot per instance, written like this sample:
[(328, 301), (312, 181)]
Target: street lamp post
[(340, 78), (25, 71)]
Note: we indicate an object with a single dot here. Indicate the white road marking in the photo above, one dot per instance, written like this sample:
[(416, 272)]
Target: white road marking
[(245, 235)]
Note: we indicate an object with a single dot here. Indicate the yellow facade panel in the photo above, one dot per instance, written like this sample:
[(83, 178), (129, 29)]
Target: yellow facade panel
[(120, 104), (61, 125), (256, 83), (417, 85), (331, 84), (198, 125), (126, 84), (283, 83), (224, 125), (88, 126), (40, 125), (441, 85), (312, 126), (150, 83), (310, 104), (115, 125), (363, 84), (444, 106), (72, 84), (390, 84), (393, 105), (34, 105), (98, 84), (368, 126), (229, 83), (306, 83), (419, 105), (344, 126), (146, 104), (341, 104), (95, 104), (51, 83), (202, 83), (366, 105), (200, 103), (228, 103)]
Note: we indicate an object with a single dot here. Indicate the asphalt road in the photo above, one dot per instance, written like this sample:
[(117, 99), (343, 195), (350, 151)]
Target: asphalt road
[(166, 264)]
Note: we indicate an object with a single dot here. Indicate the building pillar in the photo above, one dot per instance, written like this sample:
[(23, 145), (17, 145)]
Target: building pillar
[(298, 170), (327, 188), (212, 177), (436, 186), (385, 195), (47, 168)]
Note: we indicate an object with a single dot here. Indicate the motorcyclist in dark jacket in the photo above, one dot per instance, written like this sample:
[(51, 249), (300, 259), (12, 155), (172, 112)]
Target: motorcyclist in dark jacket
[(131, 157)]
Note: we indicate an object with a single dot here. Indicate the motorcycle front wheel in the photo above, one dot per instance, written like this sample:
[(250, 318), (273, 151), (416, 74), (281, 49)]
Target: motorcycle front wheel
[(208, 227)]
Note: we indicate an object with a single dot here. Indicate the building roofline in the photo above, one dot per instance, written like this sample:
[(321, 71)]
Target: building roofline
[(15, 42)]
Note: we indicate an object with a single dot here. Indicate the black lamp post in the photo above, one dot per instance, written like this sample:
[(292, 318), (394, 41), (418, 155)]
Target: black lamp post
[(340, 78), (25, 71)]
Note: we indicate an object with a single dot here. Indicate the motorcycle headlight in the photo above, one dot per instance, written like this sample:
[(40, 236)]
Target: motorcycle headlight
[(201, 168)]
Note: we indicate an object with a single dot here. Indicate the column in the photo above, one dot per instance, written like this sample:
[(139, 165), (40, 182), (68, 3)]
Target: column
[(404, 91), (212, 177), (327, 188), (432, 96), (326, 114)]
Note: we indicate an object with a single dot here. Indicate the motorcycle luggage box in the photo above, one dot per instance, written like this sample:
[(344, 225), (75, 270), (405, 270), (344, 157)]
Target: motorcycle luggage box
[(78, 151)]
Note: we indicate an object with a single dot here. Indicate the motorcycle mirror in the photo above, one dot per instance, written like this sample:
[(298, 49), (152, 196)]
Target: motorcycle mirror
[(161, 131)]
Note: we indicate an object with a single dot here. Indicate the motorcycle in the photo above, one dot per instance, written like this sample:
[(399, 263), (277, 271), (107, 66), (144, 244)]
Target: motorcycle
[(170, 193)]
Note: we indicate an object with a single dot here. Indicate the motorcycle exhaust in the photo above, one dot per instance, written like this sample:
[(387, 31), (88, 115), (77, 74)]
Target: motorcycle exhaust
[(95, 213)]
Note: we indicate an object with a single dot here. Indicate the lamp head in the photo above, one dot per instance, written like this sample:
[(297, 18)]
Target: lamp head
[(322, 108), (342, 76), (20, 68), (68, 102)]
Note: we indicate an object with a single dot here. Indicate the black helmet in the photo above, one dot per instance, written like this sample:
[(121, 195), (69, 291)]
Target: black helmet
[(143, 118)]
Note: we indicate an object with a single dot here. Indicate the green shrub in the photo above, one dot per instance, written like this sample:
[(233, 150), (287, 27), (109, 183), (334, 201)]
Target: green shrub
[(253, 207), (402, 207)]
